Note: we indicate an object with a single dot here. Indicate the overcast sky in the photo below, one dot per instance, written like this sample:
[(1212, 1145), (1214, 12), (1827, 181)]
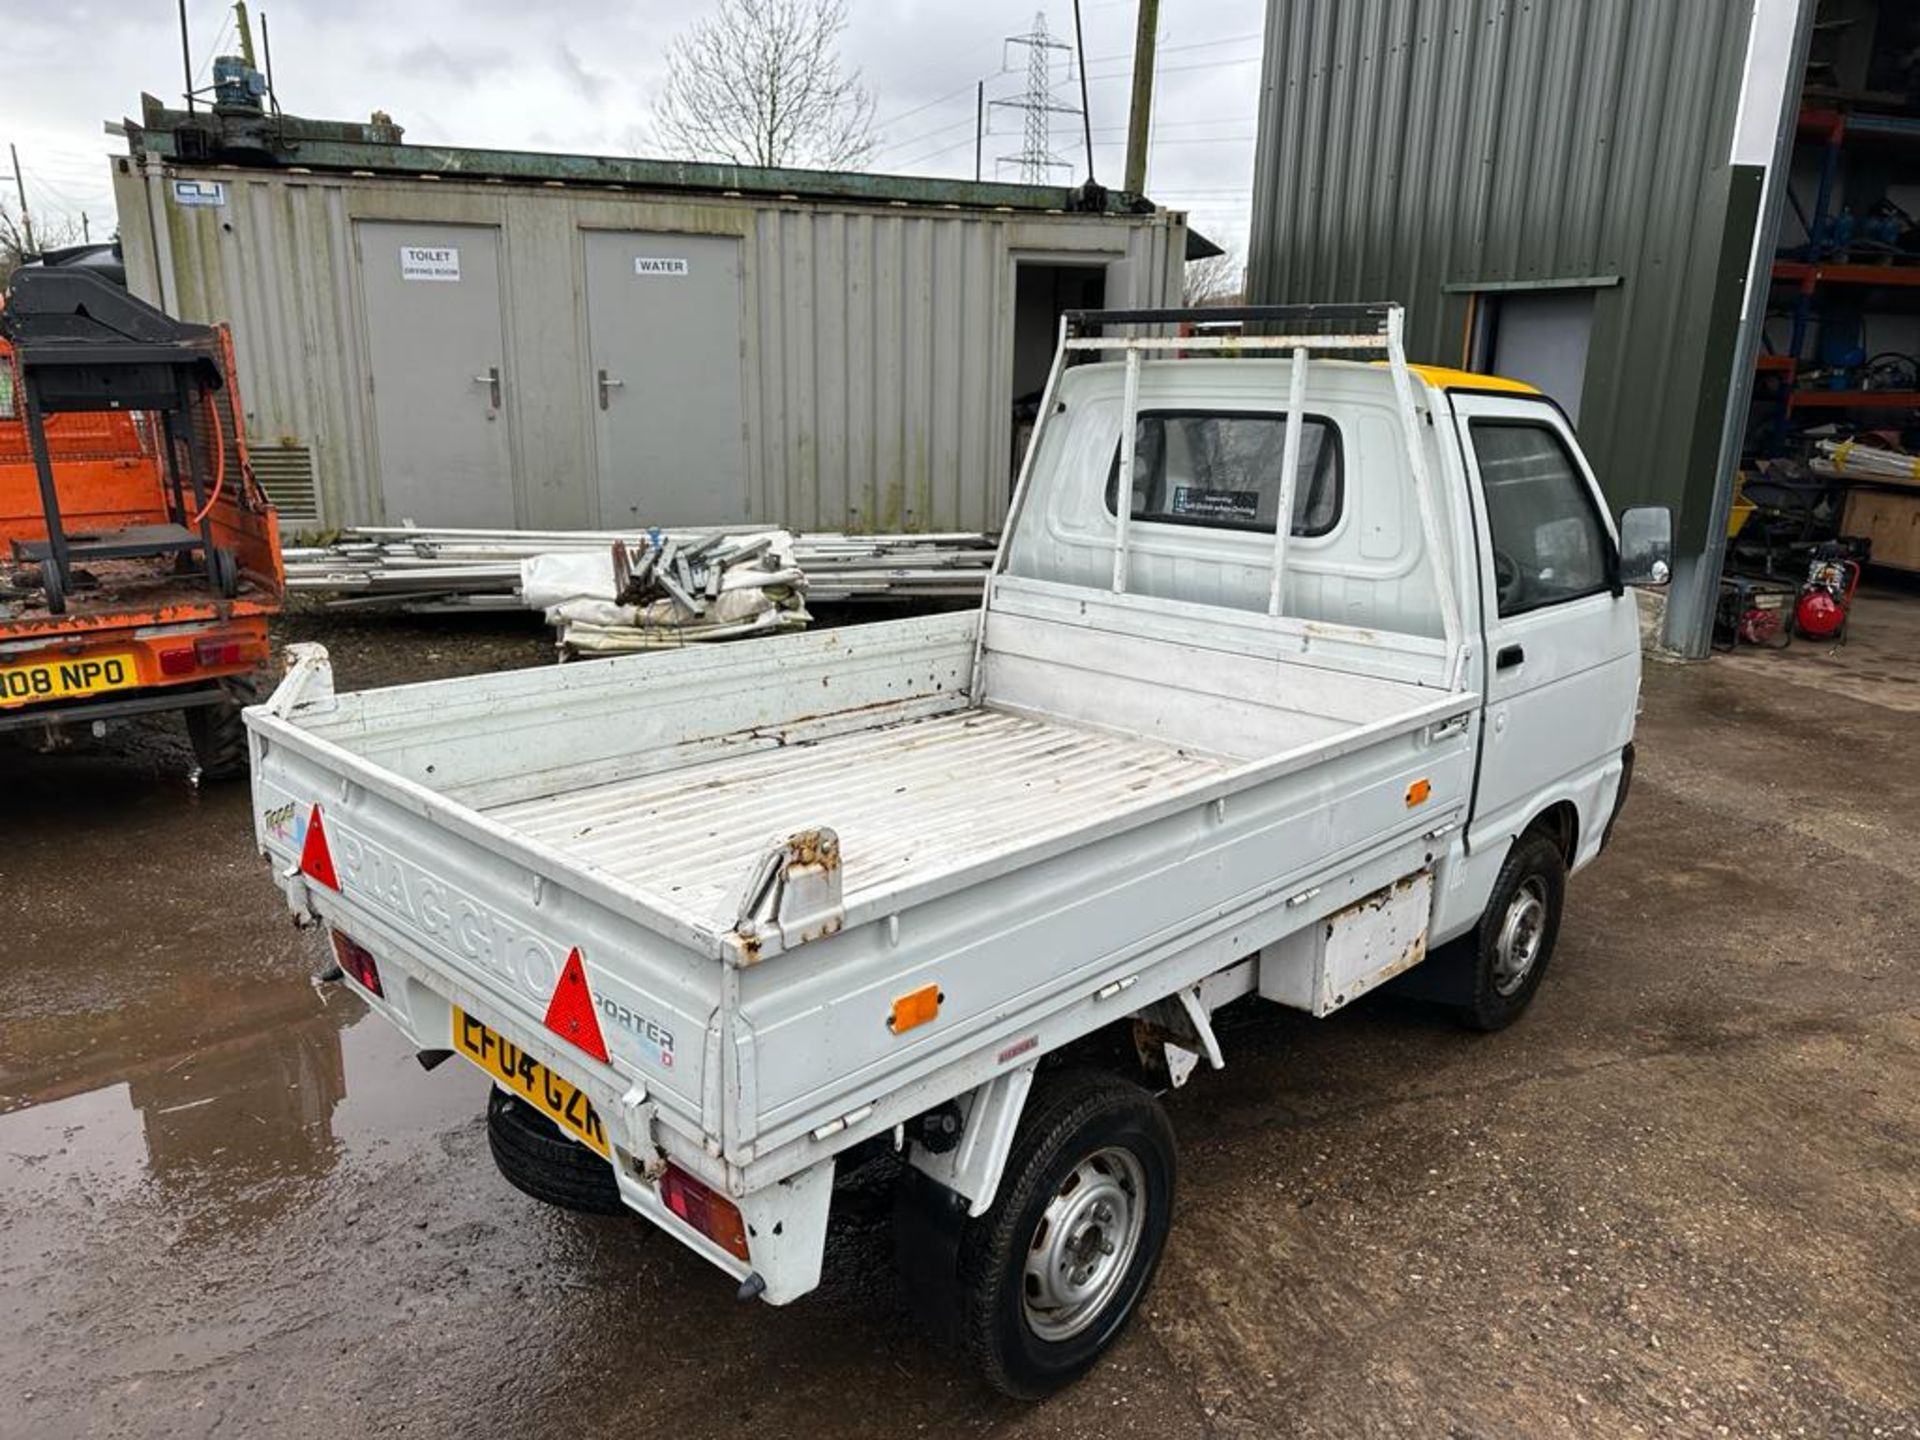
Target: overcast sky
[(501, 73)]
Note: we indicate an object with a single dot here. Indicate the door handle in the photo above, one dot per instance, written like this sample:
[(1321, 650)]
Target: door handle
[(492, 381), (607, 384), (1509, 656)]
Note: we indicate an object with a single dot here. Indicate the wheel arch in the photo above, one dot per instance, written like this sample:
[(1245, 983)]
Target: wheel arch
[(1560, 823)]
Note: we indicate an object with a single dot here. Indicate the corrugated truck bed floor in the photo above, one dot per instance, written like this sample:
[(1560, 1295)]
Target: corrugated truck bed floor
[(902, 798)]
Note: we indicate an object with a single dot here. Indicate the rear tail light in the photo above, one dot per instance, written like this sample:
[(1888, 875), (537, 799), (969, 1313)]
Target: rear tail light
[(211, 653), (714, 1216), (355, 960), (220, 651)]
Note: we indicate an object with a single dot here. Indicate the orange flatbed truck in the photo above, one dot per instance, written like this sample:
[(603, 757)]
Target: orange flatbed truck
[(139, 558)]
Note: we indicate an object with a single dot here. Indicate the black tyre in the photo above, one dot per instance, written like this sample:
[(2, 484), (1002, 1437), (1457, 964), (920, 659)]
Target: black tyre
[(219, 734), (1047, 1279), (538, 1159), (1510, 948)]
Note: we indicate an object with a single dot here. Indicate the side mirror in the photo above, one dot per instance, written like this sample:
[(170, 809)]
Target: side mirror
[(1646, 545)]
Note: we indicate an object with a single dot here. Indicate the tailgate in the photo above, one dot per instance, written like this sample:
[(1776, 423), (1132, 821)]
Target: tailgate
[(472, 918)]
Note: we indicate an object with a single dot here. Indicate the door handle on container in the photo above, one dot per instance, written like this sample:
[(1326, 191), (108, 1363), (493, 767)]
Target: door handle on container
[(492, 381), (607, 384), (1509, 656)]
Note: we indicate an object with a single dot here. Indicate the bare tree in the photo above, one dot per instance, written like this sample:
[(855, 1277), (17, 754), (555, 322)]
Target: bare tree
[(49, 233), (1216, 280), (760, 82)]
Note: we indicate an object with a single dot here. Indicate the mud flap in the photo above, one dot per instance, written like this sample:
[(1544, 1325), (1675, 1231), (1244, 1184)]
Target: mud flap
[(928, 1219)]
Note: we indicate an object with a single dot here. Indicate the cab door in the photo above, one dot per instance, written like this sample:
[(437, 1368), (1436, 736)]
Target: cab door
[(1562, 635)]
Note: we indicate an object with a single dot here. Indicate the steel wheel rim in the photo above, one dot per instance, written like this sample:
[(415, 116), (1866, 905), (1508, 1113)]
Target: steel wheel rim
[(1523, 929), (1084, 1244)]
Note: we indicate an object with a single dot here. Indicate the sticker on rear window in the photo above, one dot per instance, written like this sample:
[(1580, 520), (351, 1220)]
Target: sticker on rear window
[(1199, 503)]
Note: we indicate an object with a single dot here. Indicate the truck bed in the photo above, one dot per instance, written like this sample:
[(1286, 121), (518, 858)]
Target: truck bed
[(906, 799), (1029, 820), (130, 592)]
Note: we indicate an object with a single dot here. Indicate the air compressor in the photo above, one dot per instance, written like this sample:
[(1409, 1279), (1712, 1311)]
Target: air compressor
[(1820, 612)]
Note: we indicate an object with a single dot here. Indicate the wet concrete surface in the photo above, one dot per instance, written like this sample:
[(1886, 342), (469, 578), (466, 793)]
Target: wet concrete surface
[(1682, 1196)]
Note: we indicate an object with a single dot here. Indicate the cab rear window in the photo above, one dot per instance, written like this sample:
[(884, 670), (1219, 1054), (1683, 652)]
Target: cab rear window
[(1223, 471)]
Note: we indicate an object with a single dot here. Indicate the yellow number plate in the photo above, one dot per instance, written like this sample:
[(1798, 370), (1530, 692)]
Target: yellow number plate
[(65, 679), (564, 1104)]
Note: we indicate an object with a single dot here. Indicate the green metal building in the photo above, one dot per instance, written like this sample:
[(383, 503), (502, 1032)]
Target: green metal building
[(1572, 192)]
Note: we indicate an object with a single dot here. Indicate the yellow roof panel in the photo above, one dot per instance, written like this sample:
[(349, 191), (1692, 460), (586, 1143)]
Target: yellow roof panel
[(1443, 378)]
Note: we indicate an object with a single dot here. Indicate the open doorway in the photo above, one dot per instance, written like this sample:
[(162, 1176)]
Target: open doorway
[(1538, 335), (1043, 290)]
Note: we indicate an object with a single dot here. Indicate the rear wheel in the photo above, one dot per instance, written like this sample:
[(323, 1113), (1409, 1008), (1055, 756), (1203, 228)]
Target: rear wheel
[(218, 733), (538, 1160), (1048, 1278)]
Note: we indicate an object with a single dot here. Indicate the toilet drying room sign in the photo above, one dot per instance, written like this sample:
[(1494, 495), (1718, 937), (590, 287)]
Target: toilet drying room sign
[(429, 262)]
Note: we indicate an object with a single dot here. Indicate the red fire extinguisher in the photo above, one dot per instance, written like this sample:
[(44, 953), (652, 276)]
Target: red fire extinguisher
[(1821, 611)]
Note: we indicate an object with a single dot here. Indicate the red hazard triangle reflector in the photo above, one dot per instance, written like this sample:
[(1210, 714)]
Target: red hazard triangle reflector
[(570, 1012), (316, 861)]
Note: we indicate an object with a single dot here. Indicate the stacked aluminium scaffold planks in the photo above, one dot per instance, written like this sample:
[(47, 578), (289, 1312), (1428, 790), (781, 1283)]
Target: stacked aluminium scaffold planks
[(426, 569)]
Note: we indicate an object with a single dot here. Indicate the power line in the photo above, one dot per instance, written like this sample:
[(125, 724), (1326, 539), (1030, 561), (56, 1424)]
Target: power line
[(966, 89), (1176, 49), (1126, 74), (921, 137), (219, 39), (935, 154)]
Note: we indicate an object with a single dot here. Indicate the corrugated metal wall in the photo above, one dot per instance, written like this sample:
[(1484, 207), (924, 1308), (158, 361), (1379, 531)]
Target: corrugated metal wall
[(1417, 149), (878, 338)]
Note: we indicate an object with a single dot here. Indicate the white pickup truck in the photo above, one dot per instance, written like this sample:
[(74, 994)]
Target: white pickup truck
[(713, 919)]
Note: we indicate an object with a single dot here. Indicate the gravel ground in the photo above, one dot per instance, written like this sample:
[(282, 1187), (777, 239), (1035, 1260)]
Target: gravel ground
[(1681, 1196)]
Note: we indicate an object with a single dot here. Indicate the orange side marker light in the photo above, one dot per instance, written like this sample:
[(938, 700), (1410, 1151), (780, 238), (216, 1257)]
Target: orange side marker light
[(915, 1008)]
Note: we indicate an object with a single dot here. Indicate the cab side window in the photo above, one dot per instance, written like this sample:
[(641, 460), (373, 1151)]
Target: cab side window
[(1548, 541)]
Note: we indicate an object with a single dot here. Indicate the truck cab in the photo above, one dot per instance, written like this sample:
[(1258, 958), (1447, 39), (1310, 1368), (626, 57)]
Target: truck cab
[(1529, 573)]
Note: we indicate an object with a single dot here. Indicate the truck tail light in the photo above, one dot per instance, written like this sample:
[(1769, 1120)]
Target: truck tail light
[(714, 1216), (210, 652), (220, 650), (357, 962)]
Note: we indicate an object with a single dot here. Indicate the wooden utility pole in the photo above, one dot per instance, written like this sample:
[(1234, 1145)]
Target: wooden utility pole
[(1138, 117), (26, 217)]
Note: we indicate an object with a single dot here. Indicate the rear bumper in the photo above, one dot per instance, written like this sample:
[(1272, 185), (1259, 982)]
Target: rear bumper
[(419, 1002), (85, 712), (174, 668), (786, 1221)]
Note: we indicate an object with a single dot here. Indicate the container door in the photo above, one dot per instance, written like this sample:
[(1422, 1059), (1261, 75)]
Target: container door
[(438, 357), (663, 323)]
